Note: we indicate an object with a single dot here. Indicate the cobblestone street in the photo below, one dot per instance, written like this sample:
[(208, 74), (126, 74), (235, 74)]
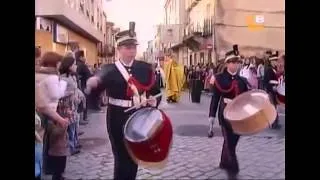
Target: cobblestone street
[(193, 155)]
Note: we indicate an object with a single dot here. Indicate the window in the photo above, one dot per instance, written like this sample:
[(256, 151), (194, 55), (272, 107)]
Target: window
[(82, 6), (98, 18), (92, 10), (208, 11)]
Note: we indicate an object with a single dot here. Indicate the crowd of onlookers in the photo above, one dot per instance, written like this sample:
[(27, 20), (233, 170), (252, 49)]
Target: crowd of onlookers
[(252, 69), (61, 106)]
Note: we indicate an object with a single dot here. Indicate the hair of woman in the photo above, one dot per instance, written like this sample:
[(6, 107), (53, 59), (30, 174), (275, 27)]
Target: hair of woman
[(65, 65), (50, 59)]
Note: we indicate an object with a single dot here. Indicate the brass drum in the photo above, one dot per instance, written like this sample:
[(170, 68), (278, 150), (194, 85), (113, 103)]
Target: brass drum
[(250, 112)]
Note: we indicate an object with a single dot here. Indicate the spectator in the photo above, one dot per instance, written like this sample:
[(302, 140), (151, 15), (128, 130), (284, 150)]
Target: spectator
[(67, 71), (49, 89), (38, 147), (83, 73), (37, 55), (245, 70), (260, 73)]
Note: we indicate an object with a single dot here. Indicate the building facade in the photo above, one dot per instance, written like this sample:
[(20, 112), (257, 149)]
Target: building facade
[(149, 54), (66, 24), (175, 15), (110, 43), (198, 34)]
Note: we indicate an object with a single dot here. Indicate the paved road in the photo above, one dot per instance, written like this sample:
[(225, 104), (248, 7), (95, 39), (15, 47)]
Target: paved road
[(193, 155)]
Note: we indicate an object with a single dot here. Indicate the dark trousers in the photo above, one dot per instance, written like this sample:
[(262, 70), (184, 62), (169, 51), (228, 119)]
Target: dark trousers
[(260, 83), (124, 167), (228, 157), (195, 91), (273, 99)]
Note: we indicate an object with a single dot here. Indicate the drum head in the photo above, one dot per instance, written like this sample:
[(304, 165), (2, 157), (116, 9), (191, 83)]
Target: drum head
[(142, 124), (246, 105)]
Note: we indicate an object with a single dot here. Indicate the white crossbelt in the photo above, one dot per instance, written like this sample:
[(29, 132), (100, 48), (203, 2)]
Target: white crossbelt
[(120, 102)]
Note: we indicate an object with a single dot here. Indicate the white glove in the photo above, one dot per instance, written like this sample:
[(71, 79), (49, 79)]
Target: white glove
[(211, 123), (274, 88), (152, 101), (211, 120), (92, 83), (212, 79)]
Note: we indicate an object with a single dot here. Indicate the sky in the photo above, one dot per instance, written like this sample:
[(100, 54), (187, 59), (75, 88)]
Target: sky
[(146, 13)]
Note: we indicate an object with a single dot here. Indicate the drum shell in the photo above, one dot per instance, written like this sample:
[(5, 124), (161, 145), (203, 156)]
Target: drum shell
[(281, 99), (256, 122), (156, 148)]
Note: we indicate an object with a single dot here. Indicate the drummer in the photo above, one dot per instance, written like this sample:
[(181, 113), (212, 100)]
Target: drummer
[(122, 97), (228, 85), (271, 81)]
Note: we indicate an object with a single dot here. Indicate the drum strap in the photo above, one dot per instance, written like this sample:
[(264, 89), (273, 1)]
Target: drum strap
[(234, 87), (134, 85)]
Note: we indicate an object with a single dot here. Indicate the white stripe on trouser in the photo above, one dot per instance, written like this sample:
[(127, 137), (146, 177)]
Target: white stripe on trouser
[(211, 123)]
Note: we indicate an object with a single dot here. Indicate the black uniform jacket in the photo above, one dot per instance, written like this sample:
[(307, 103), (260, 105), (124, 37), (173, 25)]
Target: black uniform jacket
[(116, 85), (224, 87)]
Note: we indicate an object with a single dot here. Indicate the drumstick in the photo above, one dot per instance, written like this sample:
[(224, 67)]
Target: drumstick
[(142, 102)]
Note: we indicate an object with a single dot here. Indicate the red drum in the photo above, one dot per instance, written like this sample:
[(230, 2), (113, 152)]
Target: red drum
[(148, 136), (281, 90)]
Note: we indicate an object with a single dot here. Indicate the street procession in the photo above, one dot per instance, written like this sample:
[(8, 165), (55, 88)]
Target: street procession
[(186, 89)]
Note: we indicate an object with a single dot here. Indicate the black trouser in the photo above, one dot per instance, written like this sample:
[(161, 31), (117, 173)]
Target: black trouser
[(85, 110), (260, 83), (273, 99), (196, 91), (124, 167), (228, 157)]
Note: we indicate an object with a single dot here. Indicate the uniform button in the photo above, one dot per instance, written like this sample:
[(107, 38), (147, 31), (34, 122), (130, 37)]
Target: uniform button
[(130, 74), (129, 69)]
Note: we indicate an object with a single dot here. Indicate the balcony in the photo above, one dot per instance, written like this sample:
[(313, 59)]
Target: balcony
[(207, 27), (199, 36), (75, 20), (110, 50), (192, 5)]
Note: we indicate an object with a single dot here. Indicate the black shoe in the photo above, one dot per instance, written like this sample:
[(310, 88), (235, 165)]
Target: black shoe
[(83, 123), (75, 152), (276, 126), (222, 166), (232, 175), (210, 134), (79, 146), (81, 133)]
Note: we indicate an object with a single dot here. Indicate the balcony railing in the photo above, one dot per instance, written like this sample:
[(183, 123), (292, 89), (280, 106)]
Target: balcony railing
[(205, 29), (208, 27), (192, 5)]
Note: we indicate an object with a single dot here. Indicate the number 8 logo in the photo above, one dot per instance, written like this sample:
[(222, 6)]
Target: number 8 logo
[(259, 19)]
